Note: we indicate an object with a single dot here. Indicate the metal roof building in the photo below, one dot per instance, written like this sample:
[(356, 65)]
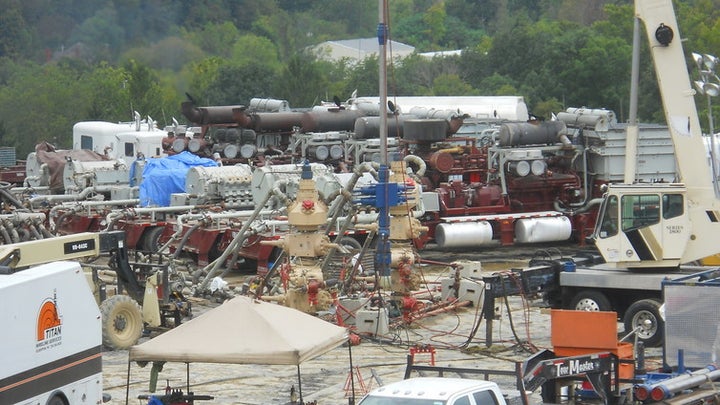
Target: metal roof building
[(359, 49)]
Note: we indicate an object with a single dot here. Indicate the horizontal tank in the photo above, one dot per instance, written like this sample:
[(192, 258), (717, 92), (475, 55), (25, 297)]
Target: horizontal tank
[(208, 115), (463, 234), (268, 105), (539, 230), (518, 134), (324, 121), (369, 127)]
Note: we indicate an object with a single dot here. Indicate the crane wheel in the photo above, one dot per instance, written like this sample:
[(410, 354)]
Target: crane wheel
[(644, 317), (590, 300), (122, 323)]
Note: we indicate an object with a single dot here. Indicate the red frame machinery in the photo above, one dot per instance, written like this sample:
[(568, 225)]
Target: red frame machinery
[(460, 172), (204, 243)]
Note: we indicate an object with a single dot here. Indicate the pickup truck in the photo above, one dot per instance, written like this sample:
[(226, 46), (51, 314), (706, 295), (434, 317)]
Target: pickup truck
[(436, 391)]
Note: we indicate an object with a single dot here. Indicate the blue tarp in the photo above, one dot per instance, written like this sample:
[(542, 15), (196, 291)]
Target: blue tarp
[(165, 176)]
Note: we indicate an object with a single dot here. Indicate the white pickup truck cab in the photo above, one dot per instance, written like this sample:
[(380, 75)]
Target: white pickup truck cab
[(436, 391)]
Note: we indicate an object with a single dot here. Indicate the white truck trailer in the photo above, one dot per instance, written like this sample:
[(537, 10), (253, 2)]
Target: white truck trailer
[(52, 336)]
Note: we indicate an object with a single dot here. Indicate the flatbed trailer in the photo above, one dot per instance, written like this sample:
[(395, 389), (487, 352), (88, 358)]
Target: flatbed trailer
[(582, 284)]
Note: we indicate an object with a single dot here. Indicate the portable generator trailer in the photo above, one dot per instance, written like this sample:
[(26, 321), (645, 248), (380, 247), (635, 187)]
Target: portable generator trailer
[(53, 329), (52, 341), (146, 284)]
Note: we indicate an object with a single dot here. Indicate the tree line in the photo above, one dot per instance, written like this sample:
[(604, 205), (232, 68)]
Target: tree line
[(67, 61)]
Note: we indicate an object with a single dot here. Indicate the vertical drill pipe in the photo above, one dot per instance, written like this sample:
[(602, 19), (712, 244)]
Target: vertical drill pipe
[(382, 256)]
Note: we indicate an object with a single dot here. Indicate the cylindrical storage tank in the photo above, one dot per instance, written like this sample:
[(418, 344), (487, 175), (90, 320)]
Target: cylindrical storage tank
[(208, 115), (608, 114), (463, 234), (268, 105), (518, 134), (539, 230), (429, 130), (369, 127), (276, 122), (425, 112), (366, 107), (597, 122), (325, 121)]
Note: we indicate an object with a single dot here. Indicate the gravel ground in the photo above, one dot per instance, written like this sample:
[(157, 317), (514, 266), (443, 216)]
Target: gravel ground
[(458, 337)]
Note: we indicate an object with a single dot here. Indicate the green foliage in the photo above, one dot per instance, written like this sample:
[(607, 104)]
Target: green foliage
[(145, 55), (14, 34), (171, 53), (301, 82), (200, 75), (451, 85), (237, 84), (545, 108), (434, 23), (102, 30), (30, 111), (143, 88), (108, 94), (253, 49), (214, 38), (364, 78)]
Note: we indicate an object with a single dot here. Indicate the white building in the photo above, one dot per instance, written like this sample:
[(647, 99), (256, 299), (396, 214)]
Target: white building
[(359, 49)]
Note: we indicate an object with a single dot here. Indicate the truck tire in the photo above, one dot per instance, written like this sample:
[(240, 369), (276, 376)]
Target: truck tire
[(646, 313), (151, 239), (122, 323), (590, 300)]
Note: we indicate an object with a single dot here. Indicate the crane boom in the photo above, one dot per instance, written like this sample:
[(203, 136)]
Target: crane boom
[(662, 224)]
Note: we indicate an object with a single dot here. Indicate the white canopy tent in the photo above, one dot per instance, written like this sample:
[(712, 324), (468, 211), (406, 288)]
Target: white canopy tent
[(244, 331)]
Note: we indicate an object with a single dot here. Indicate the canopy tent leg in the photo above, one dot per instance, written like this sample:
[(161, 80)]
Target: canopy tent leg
[(352, 377), (299, 383), (127, 385), (187, 378)]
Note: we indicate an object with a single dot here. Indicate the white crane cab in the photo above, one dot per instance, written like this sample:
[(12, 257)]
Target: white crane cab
[(644, 225)]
